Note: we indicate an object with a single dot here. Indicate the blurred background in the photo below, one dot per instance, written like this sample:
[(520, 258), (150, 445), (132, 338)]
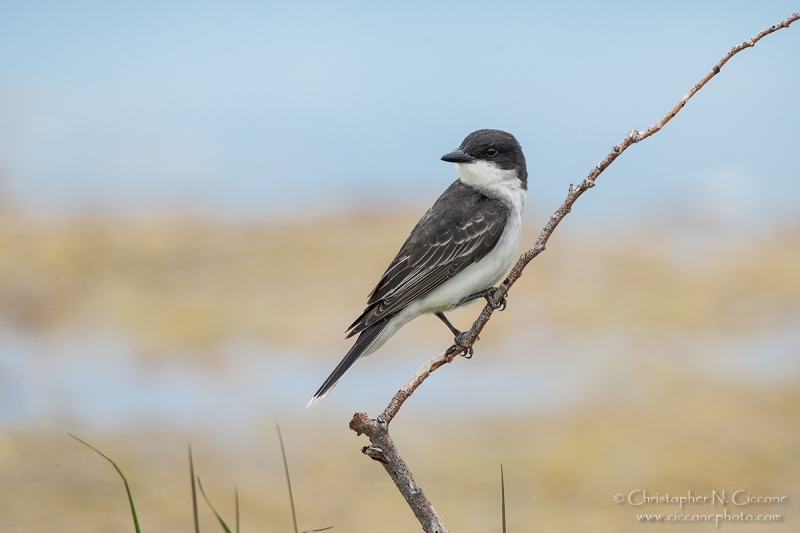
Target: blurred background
[(196, 199)]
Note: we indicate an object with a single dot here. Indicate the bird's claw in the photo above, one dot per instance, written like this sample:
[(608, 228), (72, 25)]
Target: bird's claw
[(499, 307), (469, 351), (490, 300)]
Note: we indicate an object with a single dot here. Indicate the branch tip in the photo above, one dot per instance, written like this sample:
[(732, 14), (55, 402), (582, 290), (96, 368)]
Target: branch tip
[(365, 425), (382, 449)]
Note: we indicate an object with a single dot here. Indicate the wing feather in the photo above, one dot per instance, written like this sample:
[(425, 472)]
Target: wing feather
[(457, 231)]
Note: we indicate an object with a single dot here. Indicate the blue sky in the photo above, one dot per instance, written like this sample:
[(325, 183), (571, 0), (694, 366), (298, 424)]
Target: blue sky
[(266, 108)]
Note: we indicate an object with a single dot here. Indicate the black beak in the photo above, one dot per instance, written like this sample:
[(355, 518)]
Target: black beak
[(458, 156)]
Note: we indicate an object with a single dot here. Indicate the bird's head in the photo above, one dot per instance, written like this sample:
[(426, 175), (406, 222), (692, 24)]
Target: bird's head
[(488, 157)]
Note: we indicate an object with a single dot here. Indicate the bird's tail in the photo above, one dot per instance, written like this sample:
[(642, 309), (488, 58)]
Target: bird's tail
[(362, 344)]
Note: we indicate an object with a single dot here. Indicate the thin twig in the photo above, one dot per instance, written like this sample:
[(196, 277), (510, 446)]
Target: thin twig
[(383, 449), (575, 191)]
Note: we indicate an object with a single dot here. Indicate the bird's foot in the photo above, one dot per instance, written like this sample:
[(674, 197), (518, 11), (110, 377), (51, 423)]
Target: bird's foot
[(469, 351), (459, 336), (489, 295)]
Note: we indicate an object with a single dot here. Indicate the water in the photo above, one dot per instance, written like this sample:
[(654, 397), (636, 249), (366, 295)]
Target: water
[(100, 381)]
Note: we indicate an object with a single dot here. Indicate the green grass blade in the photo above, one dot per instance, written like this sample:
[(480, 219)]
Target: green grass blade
[(194, 492), (236, 498), (289, 484), (288, 479), (221, 521), (503, 497), (127, 488)]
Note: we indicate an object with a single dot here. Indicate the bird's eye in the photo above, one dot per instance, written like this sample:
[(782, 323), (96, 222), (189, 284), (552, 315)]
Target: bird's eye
[(491, 152)]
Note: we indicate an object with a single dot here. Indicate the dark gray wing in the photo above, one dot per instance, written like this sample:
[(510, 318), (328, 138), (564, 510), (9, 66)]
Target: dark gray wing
[(458, 230)]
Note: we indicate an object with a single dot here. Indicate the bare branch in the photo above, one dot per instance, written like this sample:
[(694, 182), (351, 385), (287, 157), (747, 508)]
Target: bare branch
[(575, 191), (385, 452), (382, 448)]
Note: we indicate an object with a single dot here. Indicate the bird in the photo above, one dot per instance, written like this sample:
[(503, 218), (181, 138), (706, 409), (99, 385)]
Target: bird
[(464, 244)]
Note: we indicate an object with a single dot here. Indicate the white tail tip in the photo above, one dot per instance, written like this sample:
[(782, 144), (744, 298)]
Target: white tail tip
[(315, 400)]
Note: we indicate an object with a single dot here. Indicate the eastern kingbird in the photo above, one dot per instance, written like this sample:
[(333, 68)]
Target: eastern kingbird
[(455, 254)]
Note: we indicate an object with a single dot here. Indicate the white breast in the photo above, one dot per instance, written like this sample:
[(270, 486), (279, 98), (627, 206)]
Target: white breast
[(475, 278), (489, 270), (497, 183)]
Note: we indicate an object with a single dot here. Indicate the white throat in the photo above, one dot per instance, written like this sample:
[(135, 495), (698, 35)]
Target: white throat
[(496, 182), (481, 173)]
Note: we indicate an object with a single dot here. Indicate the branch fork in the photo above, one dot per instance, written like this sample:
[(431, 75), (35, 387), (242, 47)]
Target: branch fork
[(385, 452)]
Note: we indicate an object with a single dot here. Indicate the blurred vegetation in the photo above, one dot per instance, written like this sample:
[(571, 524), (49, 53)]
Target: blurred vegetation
[(188, 282), (184, 284), (562, 469), (191, 283)]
